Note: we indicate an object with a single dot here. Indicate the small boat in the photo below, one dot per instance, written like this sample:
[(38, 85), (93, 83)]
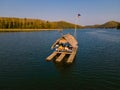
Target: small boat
[(67, 45)]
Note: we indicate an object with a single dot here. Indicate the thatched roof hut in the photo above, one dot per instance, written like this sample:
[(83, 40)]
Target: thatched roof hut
[(68, 38)]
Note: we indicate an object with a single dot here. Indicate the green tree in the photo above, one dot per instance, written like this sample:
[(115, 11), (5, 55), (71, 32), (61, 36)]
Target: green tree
[(118, 27)]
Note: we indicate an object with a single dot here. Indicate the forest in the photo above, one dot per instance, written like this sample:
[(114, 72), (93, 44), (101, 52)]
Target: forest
[(27, 23)]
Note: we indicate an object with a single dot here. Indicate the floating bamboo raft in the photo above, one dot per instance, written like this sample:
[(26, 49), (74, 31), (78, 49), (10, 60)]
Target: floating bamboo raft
[(61, 54)]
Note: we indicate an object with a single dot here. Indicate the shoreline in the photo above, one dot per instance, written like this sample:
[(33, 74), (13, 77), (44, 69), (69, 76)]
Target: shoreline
[(26, 30)]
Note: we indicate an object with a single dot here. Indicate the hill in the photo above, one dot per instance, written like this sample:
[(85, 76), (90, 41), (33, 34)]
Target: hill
[(110, 24), (66, 25), (27, 23)]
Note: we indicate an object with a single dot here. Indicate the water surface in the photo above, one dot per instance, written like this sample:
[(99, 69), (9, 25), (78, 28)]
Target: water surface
[(96, 66)]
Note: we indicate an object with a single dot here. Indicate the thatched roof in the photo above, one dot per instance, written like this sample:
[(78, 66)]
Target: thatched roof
[(66, 38)]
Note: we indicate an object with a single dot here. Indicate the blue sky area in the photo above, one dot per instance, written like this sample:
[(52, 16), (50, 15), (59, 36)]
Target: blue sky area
[(92, 11)]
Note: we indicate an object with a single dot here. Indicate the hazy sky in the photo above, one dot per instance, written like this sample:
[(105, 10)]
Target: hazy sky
[(92, 11)]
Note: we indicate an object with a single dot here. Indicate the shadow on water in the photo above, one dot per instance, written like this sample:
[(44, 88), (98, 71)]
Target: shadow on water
[(62, 66)]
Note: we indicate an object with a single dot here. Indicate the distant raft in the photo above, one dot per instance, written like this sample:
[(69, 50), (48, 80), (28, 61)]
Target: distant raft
[(66, 46)]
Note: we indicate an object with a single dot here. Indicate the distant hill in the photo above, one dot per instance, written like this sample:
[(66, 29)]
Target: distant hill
[(27, 23), (92, 26), (110, 24), (66, 25)]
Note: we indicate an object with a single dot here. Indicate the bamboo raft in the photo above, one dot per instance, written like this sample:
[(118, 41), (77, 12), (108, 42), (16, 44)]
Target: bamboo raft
[(66, 40)]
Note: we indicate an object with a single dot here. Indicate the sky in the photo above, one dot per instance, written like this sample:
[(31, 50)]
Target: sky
[(92, 11)]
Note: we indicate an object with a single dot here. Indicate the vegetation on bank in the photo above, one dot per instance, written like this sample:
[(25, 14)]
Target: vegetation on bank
[(26, 23), (118, 27)]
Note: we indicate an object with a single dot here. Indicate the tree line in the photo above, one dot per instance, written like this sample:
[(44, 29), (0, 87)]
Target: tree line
[(26, 23), (118, 27)]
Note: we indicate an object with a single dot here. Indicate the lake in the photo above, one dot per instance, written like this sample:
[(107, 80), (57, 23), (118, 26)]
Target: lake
[(96, 66)]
